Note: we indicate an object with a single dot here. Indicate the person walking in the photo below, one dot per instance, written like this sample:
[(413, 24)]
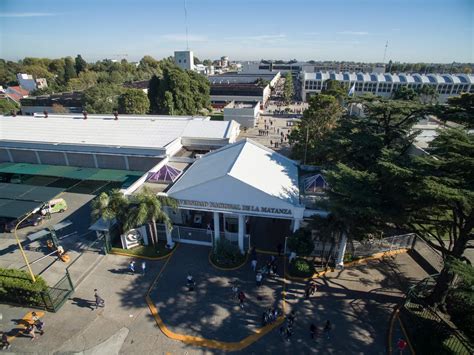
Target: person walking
[(313, 331), (253, 263), (143, 267), (5, 343), (131, 266), (39, 325), (241, 299), (327, 328), (291, 318), (30, 330), (259, 278), (99, 301), (306, 292), (190, 282), (280, 249), (235, 291), (401, 345), (312, 288)]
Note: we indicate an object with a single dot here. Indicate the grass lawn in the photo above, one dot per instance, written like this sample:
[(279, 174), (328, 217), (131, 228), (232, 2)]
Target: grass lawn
[(148, 251)]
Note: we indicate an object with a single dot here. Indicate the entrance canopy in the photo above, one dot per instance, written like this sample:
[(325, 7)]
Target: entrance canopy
[(244, 177), (17, 200)]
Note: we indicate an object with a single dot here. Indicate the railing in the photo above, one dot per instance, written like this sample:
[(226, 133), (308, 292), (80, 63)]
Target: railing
[(427, 330), (370, 246)]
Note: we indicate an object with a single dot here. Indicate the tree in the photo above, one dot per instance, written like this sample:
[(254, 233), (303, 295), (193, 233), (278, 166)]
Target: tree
[(112, 206), (69, 69), (321, 116), (288, 88), (427, 94), (101, 98), (335, 88), (179, 92), (404, 93), (58, 108), (133, 101), (7, 107), (301, 242), (207, 62), (148, 208), (80, 64), (460, 110), (438, 195)]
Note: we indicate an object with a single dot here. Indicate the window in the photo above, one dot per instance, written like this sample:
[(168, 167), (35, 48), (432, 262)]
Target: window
[(179, 60), (185, 60)]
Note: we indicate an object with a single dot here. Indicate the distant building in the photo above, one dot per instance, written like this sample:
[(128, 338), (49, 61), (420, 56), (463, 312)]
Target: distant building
[(70, 102), (29, 83), (184, 59), (244, 113), (15, 93), (141, 85), (203, 69), (385, 84)]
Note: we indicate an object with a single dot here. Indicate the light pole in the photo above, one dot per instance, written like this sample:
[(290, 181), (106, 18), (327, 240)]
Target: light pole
[(21, 248)]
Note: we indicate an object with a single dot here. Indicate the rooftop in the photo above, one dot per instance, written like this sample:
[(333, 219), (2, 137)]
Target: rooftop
[(141, 131)]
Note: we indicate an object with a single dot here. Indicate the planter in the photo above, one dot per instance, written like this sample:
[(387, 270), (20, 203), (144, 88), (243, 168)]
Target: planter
[(301, 268)]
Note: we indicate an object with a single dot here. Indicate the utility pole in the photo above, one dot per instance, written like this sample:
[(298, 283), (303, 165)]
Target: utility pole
[(33, 278)]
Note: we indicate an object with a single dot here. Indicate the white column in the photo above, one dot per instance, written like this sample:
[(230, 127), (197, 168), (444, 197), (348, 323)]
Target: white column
[(10, 155), (37, 157), (241, 232), (342, 251), (296, 224), (66, 158), (96, 164), (169, 240), (217, 227), (127, 166)]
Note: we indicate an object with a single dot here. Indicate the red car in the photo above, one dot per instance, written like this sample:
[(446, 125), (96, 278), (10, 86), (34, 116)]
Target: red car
[(33, 220)]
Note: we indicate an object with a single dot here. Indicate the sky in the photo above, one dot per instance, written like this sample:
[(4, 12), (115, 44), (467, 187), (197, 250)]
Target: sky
[(433, 31)]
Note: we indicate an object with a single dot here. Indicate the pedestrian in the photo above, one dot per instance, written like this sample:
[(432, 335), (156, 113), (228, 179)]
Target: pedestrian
[(241, 299), (327, 328), (313, 331), (312, 289), (253, 253), (39, 324), (272, 259), (291, 318), (190, 282), (131, 266), (271, 143), (254, 264), (143, 267), (264, 319), (30, 330), (292, 257), (235, 291), (306, 292), (279, 249), (289, 333), (278, 130), (259, 278), (5, 342), (34, 317), (274, 268), (99, 301)]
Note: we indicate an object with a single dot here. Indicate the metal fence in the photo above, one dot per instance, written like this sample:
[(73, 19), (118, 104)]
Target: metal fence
[(372, 245), (428, 332)]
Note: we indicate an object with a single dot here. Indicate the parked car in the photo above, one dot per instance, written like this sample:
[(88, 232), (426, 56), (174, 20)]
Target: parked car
[(33, 220), (54, 206)]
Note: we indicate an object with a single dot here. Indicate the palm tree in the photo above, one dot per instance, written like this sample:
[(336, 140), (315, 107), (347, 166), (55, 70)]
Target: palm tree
[(113, 205), (149, 208)]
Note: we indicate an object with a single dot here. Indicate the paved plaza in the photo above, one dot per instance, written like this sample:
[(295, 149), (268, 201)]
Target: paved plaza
[(357, 300)]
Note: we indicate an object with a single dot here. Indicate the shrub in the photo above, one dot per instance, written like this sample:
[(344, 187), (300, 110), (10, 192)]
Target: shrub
[(226, 254), (301, 268), (301, 242), (16, 287)]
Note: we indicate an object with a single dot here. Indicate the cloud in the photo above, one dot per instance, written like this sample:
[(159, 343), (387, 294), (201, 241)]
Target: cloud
[(27, 14), (354, 33), (182, 37)]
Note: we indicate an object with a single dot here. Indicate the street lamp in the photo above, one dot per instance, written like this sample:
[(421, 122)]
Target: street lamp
[(21, 248)]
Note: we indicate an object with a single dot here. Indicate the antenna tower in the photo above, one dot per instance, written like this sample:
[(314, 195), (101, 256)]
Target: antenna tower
[(385, 52), (186, 24)]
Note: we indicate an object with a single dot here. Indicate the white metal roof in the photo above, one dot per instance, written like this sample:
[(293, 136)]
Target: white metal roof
[(244, 172), (128, 131), (395, 78)]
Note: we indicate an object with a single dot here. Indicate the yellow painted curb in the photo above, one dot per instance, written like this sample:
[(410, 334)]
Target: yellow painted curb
[(376, 256), (144, 257), (227, 269), (261, 251), (209, 343)]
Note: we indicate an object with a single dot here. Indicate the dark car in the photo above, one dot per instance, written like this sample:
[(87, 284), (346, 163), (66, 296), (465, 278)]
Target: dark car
[(33, 220)]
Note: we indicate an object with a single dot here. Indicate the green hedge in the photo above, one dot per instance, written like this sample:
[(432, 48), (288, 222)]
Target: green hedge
[(16, 287), (227, 255), (301, 268)]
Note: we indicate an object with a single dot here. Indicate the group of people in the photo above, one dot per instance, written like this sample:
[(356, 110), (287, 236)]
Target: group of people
[(270, 315), (239, 295), (37, 325)]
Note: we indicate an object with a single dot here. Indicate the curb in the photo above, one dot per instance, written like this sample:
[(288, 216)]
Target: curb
[(144, 257), (224, 268)]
